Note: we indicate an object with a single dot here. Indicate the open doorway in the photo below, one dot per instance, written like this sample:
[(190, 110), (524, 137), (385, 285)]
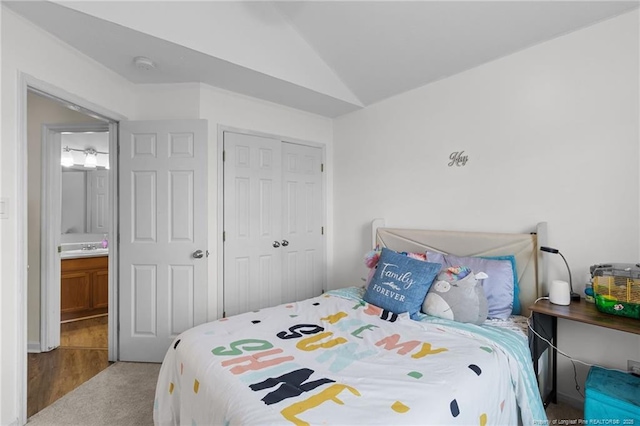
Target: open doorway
[(68, 229)]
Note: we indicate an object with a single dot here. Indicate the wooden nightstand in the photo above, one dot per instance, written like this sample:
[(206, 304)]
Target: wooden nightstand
[(545, 322)]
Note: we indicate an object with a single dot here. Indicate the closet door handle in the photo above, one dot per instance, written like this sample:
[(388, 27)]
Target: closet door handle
[(276, 244), (285, 243)]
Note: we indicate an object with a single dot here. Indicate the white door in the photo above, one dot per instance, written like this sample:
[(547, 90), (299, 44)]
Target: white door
[(273, 245), (252, 223), (50, 265), (163, 234), (303, 244), (98, 199)]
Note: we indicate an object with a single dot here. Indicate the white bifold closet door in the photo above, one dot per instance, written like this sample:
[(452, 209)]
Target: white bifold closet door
[(273, 203)]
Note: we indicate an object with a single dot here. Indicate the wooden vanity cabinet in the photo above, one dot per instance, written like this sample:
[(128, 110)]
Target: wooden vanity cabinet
[(84, 287)]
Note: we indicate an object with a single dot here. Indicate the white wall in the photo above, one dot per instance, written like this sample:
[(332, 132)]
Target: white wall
[(551, 134), (28, 49), (167, 101)]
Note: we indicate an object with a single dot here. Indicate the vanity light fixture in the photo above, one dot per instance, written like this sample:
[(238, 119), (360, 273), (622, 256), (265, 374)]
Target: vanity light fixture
[(66, 159), (90, 159)]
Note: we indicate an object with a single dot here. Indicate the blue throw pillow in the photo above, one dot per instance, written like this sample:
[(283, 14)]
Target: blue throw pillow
[(400, 283), (517, 310)]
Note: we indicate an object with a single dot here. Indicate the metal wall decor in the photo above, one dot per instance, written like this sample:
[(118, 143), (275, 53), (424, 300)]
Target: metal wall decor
[(458, 159)]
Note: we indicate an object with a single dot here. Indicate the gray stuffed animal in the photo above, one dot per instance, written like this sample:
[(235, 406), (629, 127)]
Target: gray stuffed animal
[(457, 296)]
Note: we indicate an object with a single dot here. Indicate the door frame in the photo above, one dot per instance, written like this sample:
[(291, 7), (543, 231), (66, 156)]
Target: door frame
[(220, 206), (27, 83), (50, 218)]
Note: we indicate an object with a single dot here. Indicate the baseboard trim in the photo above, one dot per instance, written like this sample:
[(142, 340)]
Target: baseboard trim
[(13, 423), (33, 347), (571, 400), (84, 318)]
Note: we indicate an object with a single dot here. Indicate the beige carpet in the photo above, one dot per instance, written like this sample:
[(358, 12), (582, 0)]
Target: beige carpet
[(123, 394), (120, 395)]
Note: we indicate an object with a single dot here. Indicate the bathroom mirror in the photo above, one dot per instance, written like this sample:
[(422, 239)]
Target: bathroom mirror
[(85, 201), (85, 184)]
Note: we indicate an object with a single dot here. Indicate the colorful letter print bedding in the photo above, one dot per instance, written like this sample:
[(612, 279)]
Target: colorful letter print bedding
[(336, 360)]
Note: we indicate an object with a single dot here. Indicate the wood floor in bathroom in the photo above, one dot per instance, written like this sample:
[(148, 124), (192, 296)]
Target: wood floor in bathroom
[(82, 354)]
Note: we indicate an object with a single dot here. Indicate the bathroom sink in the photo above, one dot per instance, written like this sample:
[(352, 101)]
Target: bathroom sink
[(74, 254)]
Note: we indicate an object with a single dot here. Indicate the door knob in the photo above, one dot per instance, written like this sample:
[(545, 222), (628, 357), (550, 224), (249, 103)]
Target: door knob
[(198, 254), (276, 244), (285, 243)]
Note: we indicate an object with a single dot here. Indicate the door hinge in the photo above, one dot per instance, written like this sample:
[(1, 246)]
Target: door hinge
[(224, 236), (59, 249), (224, 156), (224, 314), (321, 167), (207, 253), (322, 230)]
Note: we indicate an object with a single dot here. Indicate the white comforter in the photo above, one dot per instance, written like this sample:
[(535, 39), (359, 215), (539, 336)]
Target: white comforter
[(331, 360)]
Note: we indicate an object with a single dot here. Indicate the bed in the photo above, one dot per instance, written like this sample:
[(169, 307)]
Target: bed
[(336, 359)]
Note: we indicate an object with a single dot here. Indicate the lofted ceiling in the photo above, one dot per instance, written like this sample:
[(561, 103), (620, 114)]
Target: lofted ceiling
[(325, 57)]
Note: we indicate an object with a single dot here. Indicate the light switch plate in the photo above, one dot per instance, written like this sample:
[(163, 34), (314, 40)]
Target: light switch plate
[(4, 208)]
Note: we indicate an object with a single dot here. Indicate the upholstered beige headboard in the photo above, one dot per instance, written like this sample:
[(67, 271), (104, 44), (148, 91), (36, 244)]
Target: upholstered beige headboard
[(530, 264)]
